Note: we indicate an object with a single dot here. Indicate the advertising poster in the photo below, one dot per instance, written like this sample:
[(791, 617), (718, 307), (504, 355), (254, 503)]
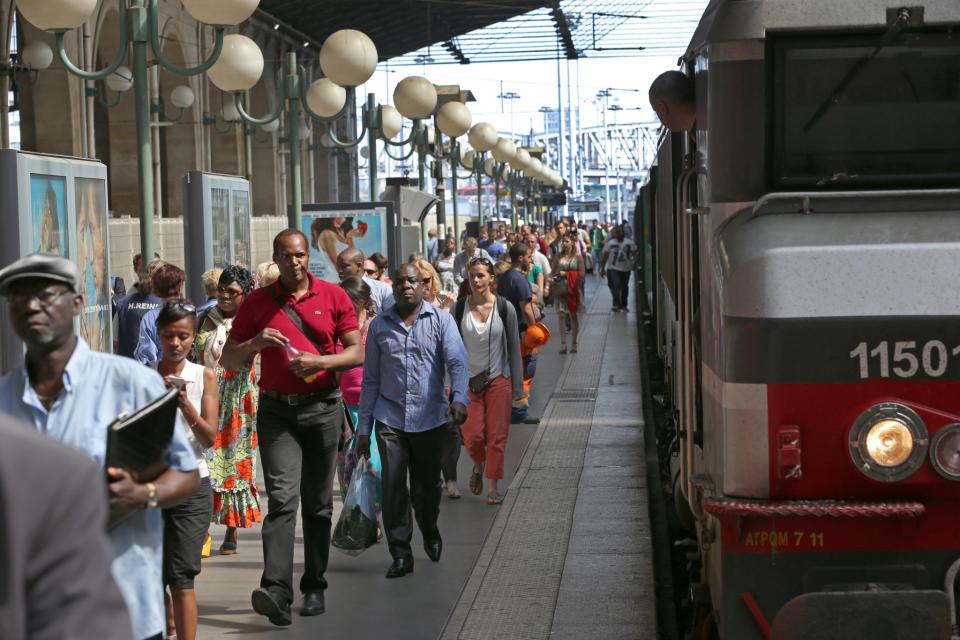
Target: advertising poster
[(220, 210), (333, 231), (91, 196), (48, 202), (241, 228)]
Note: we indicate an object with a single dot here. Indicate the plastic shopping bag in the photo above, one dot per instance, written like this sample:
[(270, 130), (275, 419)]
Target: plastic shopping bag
[(347, 462), (356, 529)]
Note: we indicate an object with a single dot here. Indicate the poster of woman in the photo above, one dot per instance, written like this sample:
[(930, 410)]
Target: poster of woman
[(91, 257), (330, 232), (48, 203)]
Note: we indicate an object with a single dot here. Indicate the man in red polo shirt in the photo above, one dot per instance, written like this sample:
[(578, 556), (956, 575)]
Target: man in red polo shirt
[(300, 416)]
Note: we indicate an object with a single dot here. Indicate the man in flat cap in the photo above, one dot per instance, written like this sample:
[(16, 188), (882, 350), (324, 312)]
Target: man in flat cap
[(71, 394)]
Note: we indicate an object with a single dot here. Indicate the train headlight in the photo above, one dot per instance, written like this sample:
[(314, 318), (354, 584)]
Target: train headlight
[(888, 442), (945, 452)]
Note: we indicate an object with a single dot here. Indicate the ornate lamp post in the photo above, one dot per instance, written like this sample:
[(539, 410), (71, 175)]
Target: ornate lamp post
[(139, 29), (482, 137), (348, 58)]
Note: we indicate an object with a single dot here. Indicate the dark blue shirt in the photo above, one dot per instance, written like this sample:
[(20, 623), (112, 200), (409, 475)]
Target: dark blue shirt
[(130, 312), (514, 286), (496, 249)]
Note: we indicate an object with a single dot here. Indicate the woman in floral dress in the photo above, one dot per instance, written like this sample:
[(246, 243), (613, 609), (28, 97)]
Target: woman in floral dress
[(232, 458)]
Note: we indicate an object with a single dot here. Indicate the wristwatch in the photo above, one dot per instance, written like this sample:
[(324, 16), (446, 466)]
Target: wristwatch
[(152, 501)]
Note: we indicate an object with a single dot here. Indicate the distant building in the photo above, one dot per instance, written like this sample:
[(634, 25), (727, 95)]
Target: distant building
[(551, 119)]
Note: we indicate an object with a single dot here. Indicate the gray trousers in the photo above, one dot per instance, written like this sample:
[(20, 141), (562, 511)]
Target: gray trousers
[(298, 450)]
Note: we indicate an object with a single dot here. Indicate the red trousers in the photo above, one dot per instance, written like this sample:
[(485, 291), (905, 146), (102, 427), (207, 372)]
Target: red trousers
[(488, 425)]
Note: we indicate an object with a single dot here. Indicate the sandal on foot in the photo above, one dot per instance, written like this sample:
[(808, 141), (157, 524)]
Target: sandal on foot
[(574, 349), (453, 492), (563, 350), (228, 549), (476, 481), (494, 498)]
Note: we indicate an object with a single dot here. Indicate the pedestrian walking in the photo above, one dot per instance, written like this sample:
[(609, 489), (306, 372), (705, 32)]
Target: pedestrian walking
[(568, 272), (409, 349), (130, 312), (350, 263), (233, 457), (512, 284), (294, 325), (488, 325), (72, 394), (168, 280), (617, 264), (185, 525), (444, 266)]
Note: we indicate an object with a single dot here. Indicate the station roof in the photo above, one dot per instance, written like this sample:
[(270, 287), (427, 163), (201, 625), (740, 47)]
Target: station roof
[(396, 26)]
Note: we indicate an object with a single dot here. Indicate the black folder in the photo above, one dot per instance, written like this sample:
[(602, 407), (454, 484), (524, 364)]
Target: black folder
[(138, 442)]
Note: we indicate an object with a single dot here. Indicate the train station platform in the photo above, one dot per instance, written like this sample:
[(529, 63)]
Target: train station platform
[(566, 556)]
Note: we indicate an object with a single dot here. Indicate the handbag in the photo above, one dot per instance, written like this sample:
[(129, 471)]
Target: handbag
[(481, 381), (311, 336), (559, 287)]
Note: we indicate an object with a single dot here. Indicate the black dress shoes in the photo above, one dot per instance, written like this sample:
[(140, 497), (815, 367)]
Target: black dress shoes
[(400, 567), (313, 604), (434, 548), (269, 605)]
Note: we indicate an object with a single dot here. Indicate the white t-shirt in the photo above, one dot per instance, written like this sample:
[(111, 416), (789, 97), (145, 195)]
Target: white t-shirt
[(620, 254), (484, 342), (193, 374)]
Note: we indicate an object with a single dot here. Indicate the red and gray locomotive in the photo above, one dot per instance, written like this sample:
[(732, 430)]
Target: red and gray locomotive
[(803, 272)]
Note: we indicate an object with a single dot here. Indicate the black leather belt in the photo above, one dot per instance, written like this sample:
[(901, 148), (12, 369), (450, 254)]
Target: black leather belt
[(294, 400)]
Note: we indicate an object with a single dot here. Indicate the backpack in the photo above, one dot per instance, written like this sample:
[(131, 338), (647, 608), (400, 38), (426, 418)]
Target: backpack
[(462, 305)]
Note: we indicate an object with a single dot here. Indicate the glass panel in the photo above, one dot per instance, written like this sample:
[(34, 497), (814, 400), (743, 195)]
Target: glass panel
[(241, 228), (92, 241), (48, 201), (220, 212), (896, 120)]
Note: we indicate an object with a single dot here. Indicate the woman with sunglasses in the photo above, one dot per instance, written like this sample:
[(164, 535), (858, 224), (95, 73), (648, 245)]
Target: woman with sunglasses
[(431, 282), (488, 325), (232, 459), (382, 265), (568, 271), (185, 525)]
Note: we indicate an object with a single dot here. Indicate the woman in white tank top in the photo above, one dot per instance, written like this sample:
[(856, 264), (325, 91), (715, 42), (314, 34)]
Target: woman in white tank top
[(185, 525)]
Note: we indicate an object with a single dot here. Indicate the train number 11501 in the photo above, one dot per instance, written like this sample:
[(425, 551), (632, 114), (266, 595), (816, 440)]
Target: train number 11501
[(903, 359)]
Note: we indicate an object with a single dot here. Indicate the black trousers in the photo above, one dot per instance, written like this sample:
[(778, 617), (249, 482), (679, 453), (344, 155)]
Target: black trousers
[(451, 454), (418, 454), (619, 283), (298, 450)]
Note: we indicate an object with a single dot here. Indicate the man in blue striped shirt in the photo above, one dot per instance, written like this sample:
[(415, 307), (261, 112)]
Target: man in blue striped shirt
[(409, 348)]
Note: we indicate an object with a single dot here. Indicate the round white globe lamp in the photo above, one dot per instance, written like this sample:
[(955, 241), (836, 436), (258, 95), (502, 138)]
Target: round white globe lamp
[(220, 12), (326, 98), (120, 80), (348, 57), (391, 122), (55, 15), (504, 150), (182, 97), (415, 97), (482, 136), (454, 119), (240, 65), (37, 55)]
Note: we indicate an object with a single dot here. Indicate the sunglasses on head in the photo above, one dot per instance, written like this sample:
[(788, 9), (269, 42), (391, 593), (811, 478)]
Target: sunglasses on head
[(183, 306), (480, 260)]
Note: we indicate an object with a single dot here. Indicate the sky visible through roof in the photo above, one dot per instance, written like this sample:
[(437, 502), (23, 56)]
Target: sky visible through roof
[(518, 58)]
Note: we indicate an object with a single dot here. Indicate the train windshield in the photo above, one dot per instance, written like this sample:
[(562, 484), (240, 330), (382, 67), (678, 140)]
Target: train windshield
[(894, 121)]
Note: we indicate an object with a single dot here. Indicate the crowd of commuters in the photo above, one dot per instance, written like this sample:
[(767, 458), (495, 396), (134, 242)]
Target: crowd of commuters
[(280, 367)]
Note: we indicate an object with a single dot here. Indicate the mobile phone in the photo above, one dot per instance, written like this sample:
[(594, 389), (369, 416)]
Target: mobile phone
[(179, 382)]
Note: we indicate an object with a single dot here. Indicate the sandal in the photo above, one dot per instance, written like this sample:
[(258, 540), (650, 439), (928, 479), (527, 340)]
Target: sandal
[(453, 492), (494, 498), (476, 481), (563, 350), (228, 549), (574, 349)]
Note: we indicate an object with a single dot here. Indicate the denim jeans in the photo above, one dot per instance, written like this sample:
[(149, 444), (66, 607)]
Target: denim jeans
[(298, 449)]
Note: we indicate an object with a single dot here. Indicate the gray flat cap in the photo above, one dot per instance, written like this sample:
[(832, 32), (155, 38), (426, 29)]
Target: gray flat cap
[(40, 265)]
